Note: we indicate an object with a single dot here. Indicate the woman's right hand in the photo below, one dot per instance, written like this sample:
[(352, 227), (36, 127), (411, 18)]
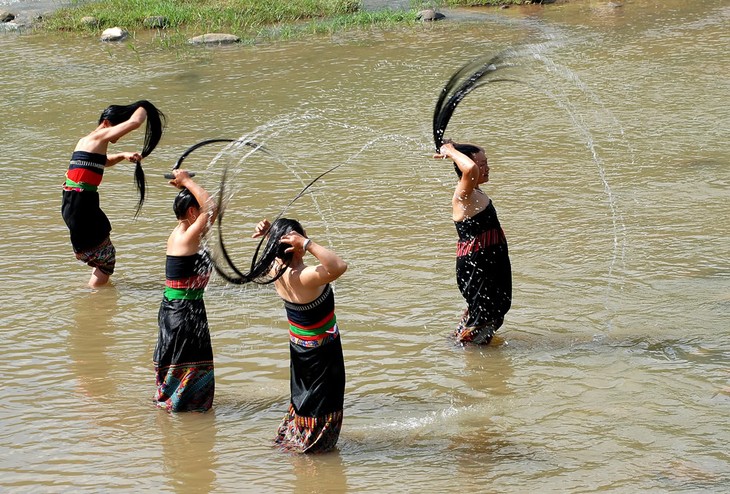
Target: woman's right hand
[(446, 150), (262, 228), (181, 177)]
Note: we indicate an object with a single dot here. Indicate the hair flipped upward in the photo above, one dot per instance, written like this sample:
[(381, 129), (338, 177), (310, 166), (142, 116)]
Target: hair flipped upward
[(184, 201), (262, 263), (468, 149), (117, 114)]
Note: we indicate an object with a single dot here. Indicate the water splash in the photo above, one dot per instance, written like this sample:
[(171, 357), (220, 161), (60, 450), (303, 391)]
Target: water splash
[(533, 66)]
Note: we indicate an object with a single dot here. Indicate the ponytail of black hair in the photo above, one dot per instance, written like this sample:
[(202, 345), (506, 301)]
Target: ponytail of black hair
[(117, 114)]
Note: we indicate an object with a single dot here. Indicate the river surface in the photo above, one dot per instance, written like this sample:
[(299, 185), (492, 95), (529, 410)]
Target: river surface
[(609, 170)]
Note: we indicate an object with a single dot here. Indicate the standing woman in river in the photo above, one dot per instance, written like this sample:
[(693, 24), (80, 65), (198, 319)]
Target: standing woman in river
[(313, 420), (317, 368), (483, 270), (88, 225), (183, 357)]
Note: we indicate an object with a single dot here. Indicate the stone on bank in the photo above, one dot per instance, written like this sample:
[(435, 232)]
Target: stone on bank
[(214, 39)]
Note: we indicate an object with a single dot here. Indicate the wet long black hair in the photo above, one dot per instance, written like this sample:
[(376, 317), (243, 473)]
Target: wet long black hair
[(117, 114), (465, 80), (262, 263)]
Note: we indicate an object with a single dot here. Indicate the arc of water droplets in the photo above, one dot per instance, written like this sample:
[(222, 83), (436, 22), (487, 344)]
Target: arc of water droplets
[(288, 123), (537, 53)]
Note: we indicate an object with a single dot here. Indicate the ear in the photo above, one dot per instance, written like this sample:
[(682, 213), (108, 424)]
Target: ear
[(192, 213)]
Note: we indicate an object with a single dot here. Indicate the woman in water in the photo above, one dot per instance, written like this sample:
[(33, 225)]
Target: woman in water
[(183, 356), (88, 225), (317, 370), (483, 270)]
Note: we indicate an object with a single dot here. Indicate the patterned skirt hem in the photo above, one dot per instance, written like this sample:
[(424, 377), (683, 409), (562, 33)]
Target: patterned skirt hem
[(309, 434), (185, 388)]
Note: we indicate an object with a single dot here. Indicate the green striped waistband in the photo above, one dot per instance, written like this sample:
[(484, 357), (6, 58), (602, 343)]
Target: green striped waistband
[(81, 185), (184, 293), (314, 332)]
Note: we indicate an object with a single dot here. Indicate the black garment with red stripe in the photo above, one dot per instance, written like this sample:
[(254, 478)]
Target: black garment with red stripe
[(483, 269), (87, 223), (317, 374)]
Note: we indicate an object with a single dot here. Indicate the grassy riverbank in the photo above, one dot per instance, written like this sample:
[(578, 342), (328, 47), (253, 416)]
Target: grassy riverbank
[(248, 19)]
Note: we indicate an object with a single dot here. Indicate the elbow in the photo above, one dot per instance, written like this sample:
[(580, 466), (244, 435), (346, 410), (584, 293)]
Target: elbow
[(343, 267), (339, 269), (471, 172)]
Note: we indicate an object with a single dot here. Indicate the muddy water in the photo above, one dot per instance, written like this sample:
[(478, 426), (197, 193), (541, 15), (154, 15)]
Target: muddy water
[(610, 175)]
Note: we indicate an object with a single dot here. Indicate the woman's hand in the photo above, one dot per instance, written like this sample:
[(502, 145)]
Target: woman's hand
[(182, 177), (297, 241), (133, 157), (447, 148), (262, 228), (113, 159)]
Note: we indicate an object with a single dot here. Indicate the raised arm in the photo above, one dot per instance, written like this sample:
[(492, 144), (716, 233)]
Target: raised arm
[(469, 179), (116, 132), (330, 267), (98, 140), (208, 208)]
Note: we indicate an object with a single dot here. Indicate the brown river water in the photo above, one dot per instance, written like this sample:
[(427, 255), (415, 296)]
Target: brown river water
[(610, 173)]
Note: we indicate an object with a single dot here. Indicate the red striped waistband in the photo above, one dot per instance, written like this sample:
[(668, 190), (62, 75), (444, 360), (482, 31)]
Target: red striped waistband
[(197, 281), (487, 238)]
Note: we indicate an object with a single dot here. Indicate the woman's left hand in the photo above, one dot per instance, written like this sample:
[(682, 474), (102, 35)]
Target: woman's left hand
[(133, 157)]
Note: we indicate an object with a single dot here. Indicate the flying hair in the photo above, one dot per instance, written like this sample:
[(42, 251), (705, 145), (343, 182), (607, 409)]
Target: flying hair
[(263, 269), (260, 271), (469, 77)]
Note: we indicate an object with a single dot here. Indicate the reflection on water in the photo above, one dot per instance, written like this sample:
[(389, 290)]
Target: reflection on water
[(188, 450), (609, 168), (309, 472), (90, 337)]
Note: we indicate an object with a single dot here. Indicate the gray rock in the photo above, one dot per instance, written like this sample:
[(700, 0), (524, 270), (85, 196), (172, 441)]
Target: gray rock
[(6, 16), (214, 39), (156, 22), (10, 27), (114, 34), (430, 15)]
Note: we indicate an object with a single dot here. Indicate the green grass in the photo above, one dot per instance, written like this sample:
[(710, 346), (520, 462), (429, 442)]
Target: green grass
[(251, 20), (234, 16), (468, 3)]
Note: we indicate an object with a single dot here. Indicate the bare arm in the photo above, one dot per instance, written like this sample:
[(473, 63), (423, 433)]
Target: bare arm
[(99, 139), (469, 170), (115, 132), (113, 159), (208, 208), (330, 267)]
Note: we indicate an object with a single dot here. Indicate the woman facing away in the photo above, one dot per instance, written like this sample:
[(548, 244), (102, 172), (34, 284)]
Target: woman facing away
[(313, 421), (483, 270), (88, 225), (183, 357)]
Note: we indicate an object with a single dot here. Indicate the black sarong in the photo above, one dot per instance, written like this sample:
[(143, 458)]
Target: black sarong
[(183, 357)]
